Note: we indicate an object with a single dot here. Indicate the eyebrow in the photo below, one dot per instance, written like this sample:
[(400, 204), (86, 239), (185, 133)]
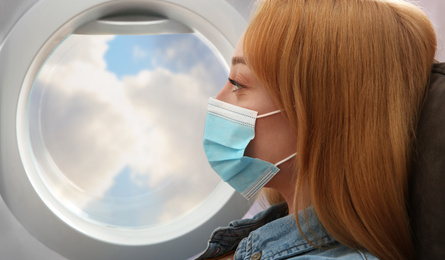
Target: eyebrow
[(237, 59)]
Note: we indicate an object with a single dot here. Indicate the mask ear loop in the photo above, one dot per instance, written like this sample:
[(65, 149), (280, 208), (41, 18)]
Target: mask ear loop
[(269, 114), (285, 160)]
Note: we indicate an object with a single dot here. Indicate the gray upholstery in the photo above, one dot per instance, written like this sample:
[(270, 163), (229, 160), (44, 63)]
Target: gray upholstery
[(427, 180)]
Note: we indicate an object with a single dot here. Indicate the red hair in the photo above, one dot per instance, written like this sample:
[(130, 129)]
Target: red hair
[(350, 76)]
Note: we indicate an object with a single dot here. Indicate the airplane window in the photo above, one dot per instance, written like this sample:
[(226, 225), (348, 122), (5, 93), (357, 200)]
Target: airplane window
[(115, 126)]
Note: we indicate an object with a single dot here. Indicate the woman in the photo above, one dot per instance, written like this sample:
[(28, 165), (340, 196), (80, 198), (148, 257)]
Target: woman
[(338, 85)]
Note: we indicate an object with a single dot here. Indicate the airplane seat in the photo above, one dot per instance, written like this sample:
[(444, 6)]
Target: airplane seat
[(427, 180)]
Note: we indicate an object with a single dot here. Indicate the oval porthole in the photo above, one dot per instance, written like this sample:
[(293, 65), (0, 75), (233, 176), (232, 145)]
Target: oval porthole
[(109, 122), (115, 125)]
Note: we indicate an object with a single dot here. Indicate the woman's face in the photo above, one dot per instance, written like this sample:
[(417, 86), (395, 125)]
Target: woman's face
[(274, 138)]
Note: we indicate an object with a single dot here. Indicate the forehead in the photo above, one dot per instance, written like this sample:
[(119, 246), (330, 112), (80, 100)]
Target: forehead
[(239, 48)]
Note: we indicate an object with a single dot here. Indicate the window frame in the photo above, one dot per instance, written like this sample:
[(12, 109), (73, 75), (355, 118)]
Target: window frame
[(22, 53)]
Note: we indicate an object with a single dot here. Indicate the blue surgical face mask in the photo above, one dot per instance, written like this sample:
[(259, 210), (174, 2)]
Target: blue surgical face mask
[(228, 131)]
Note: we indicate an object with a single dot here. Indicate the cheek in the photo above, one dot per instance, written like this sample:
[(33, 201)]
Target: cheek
[(274, 140), (260, 146)]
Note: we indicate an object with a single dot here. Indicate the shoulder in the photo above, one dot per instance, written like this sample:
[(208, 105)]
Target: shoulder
[(280, 250), (339, 252), (282, 239)]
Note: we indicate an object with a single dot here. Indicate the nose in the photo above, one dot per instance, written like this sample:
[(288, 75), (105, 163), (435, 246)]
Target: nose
[(224, 94)]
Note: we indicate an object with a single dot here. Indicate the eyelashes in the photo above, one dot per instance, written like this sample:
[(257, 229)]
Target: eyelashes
[(236, 85)]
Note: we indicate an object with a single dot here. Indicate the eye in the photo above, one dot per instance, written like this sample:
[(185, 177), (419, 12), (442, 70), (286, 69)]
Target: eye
[(236, 85)]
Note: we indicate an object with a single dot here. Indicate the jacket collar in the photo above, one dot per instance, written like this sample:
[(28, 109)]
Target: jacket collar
[(272, 232), (281, 238)]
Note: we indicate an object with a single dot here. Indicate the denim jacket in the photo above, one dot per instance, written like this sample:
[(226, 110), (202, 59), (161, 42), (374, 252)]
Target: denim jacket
[(273, 234)]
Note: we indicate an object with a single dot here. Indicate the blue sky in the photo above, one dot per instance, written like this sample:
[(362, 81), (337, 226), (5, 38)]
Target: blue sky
[(116, 207), (179, 53)]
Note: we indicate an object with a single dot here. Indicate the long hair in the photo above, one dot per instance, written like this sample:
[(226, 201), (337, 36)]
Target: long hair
[(350, 76)]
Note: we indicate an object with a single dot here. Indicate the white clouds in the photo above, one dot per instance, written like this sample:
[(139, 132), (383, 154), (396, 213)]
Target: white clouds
[(94, 125), (73, 50)]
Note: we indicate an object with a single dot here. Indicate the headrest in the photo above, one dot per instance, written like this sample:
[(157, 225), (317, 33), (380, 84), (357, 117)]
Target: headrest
[(427, 180)]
